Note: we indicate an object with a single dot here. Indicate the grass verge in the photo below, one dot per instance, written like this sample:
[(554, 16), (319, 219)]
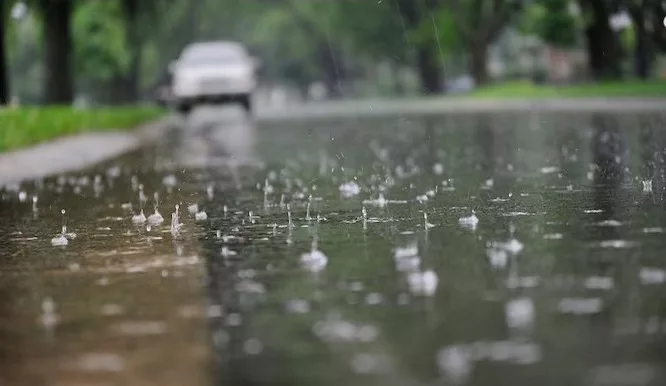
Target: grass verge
[(651, 89), (25, 126)]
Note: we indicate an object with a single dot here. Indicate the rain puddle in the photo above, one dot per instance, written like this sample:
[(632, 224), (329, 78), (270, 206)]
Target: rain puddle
[(477, 250)]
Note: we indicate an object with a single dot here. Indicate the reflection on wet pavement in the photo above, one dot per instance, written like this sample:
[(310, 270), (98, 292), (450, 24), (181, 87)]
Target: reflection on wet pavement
[(496, 249)]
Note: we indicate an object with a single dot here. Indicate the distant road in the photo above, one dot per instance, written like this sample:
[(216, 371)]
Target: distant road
[(434, 106)]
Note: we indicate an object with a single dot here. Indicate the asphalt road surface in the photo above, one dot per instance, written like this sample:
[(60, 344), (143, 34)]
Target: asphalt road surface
[(494, 248)]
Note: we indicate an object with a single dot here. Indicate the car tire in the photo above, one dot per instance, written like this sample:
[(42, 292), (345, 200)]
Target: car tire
[(184, 108), (246, 102)]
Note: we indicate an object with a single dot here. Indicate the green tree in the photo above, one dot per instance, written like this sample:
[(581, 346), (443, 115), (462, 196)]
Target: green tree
[(414, 14), (24, 53), (374, 28), (169, 26), (659, 33), (131, 10), (375, 33), (553, 22), (643, 50), (58, 49), (603, 45), (101, 56), (302, 41), (139, 17), (649, 33), (317, 21), (480, 22), (285, 39), (4, 80)]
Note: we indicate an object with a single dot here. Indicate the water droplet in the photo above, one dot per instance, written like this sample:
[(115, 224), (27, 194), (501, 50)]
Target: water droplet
[(520, 313), (101, 362), (253, 346), (201, 216)]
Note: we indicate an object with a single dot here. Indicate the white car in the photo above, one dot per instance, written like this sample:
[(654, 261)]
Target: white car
[(213, 72)]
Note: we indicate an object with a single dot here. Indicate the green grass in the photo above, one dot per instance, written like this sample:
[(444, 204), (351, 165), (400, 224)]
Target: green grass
[(649, 89), (25, 126)]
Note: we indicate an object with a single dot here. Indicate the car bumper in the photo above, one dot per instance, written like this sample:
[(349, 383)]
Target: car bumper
[(213, 88), (221, 98)]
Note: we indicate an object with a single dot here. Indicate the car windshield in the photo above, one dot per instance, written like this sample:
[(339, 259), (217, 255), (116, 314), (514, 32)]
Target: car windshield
[(209, 59), (201, 55)]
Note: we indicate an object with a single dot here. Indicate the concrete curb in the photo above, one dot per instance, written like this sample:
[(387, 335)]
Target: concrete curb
[(76, 152), (438, 106)]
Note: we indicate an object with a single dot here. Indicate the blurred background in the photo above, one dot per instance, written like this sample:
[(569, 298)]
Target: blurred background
[(374, 224), (118, 51)]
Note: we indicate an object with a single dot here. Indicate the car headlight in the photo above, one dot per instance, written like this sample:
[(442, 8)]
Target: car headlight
[(183, 82)]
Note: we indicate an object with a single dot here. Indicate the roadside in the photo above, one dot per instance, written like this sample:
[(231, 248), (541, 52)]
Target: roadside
[(526, 89), (634, 96), (25, 126), (42, 142), (455, 105), (75, 152)]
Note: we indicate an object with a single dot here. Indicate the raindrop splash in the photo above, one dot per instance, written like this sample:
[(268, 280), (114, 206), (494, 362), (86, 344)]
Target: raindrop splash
[(307, 211), (291, 223), (175, 222), (469, 222), (139, 218), (155, 218), (426, 224), (315, 260), (349, 189), (423, 283), (364, 212), (201, 216), (61, 240), (49, 317)]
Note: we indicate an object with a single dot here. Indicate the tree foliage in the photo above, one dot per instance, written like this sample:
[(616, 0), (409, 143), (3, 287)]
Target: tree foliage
[(553, 21), (128, 44), (100, 49)]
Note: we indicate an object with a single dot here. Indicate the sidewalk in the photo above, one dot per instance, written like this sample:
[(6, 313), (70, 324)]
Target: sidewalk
[(75, 152)]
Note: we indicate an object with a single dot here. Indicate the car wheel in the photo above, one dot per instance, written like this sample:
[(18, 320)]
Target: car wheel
[(184, 108), (246, 102)]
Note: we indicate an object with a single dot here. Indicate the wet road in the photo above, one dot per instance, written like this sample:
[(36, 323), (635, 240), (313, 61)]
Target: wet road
[(488, 249)]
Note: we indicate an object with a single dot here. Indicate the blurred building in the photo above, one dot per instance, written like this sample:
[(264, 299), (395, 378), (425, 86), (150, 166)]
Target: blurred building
[(518, 56), (565, 65)]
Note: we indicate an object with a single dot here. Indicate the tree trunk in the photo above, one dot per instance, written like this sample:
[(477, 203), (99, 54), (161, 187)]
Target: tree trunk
[(398, 84), (303, 91), (643, 60), (58, 86), (479, 63), (643, 50), (4, 79), (177, 37), (427, 62), (603, 47), (115, 90), (429, 71), (132, 79), (659, 33), (332, 70)]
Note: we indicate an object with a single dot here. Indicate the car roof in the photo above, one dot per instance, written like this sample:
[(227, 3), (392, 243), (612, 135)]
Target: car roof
[(214, 47)]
